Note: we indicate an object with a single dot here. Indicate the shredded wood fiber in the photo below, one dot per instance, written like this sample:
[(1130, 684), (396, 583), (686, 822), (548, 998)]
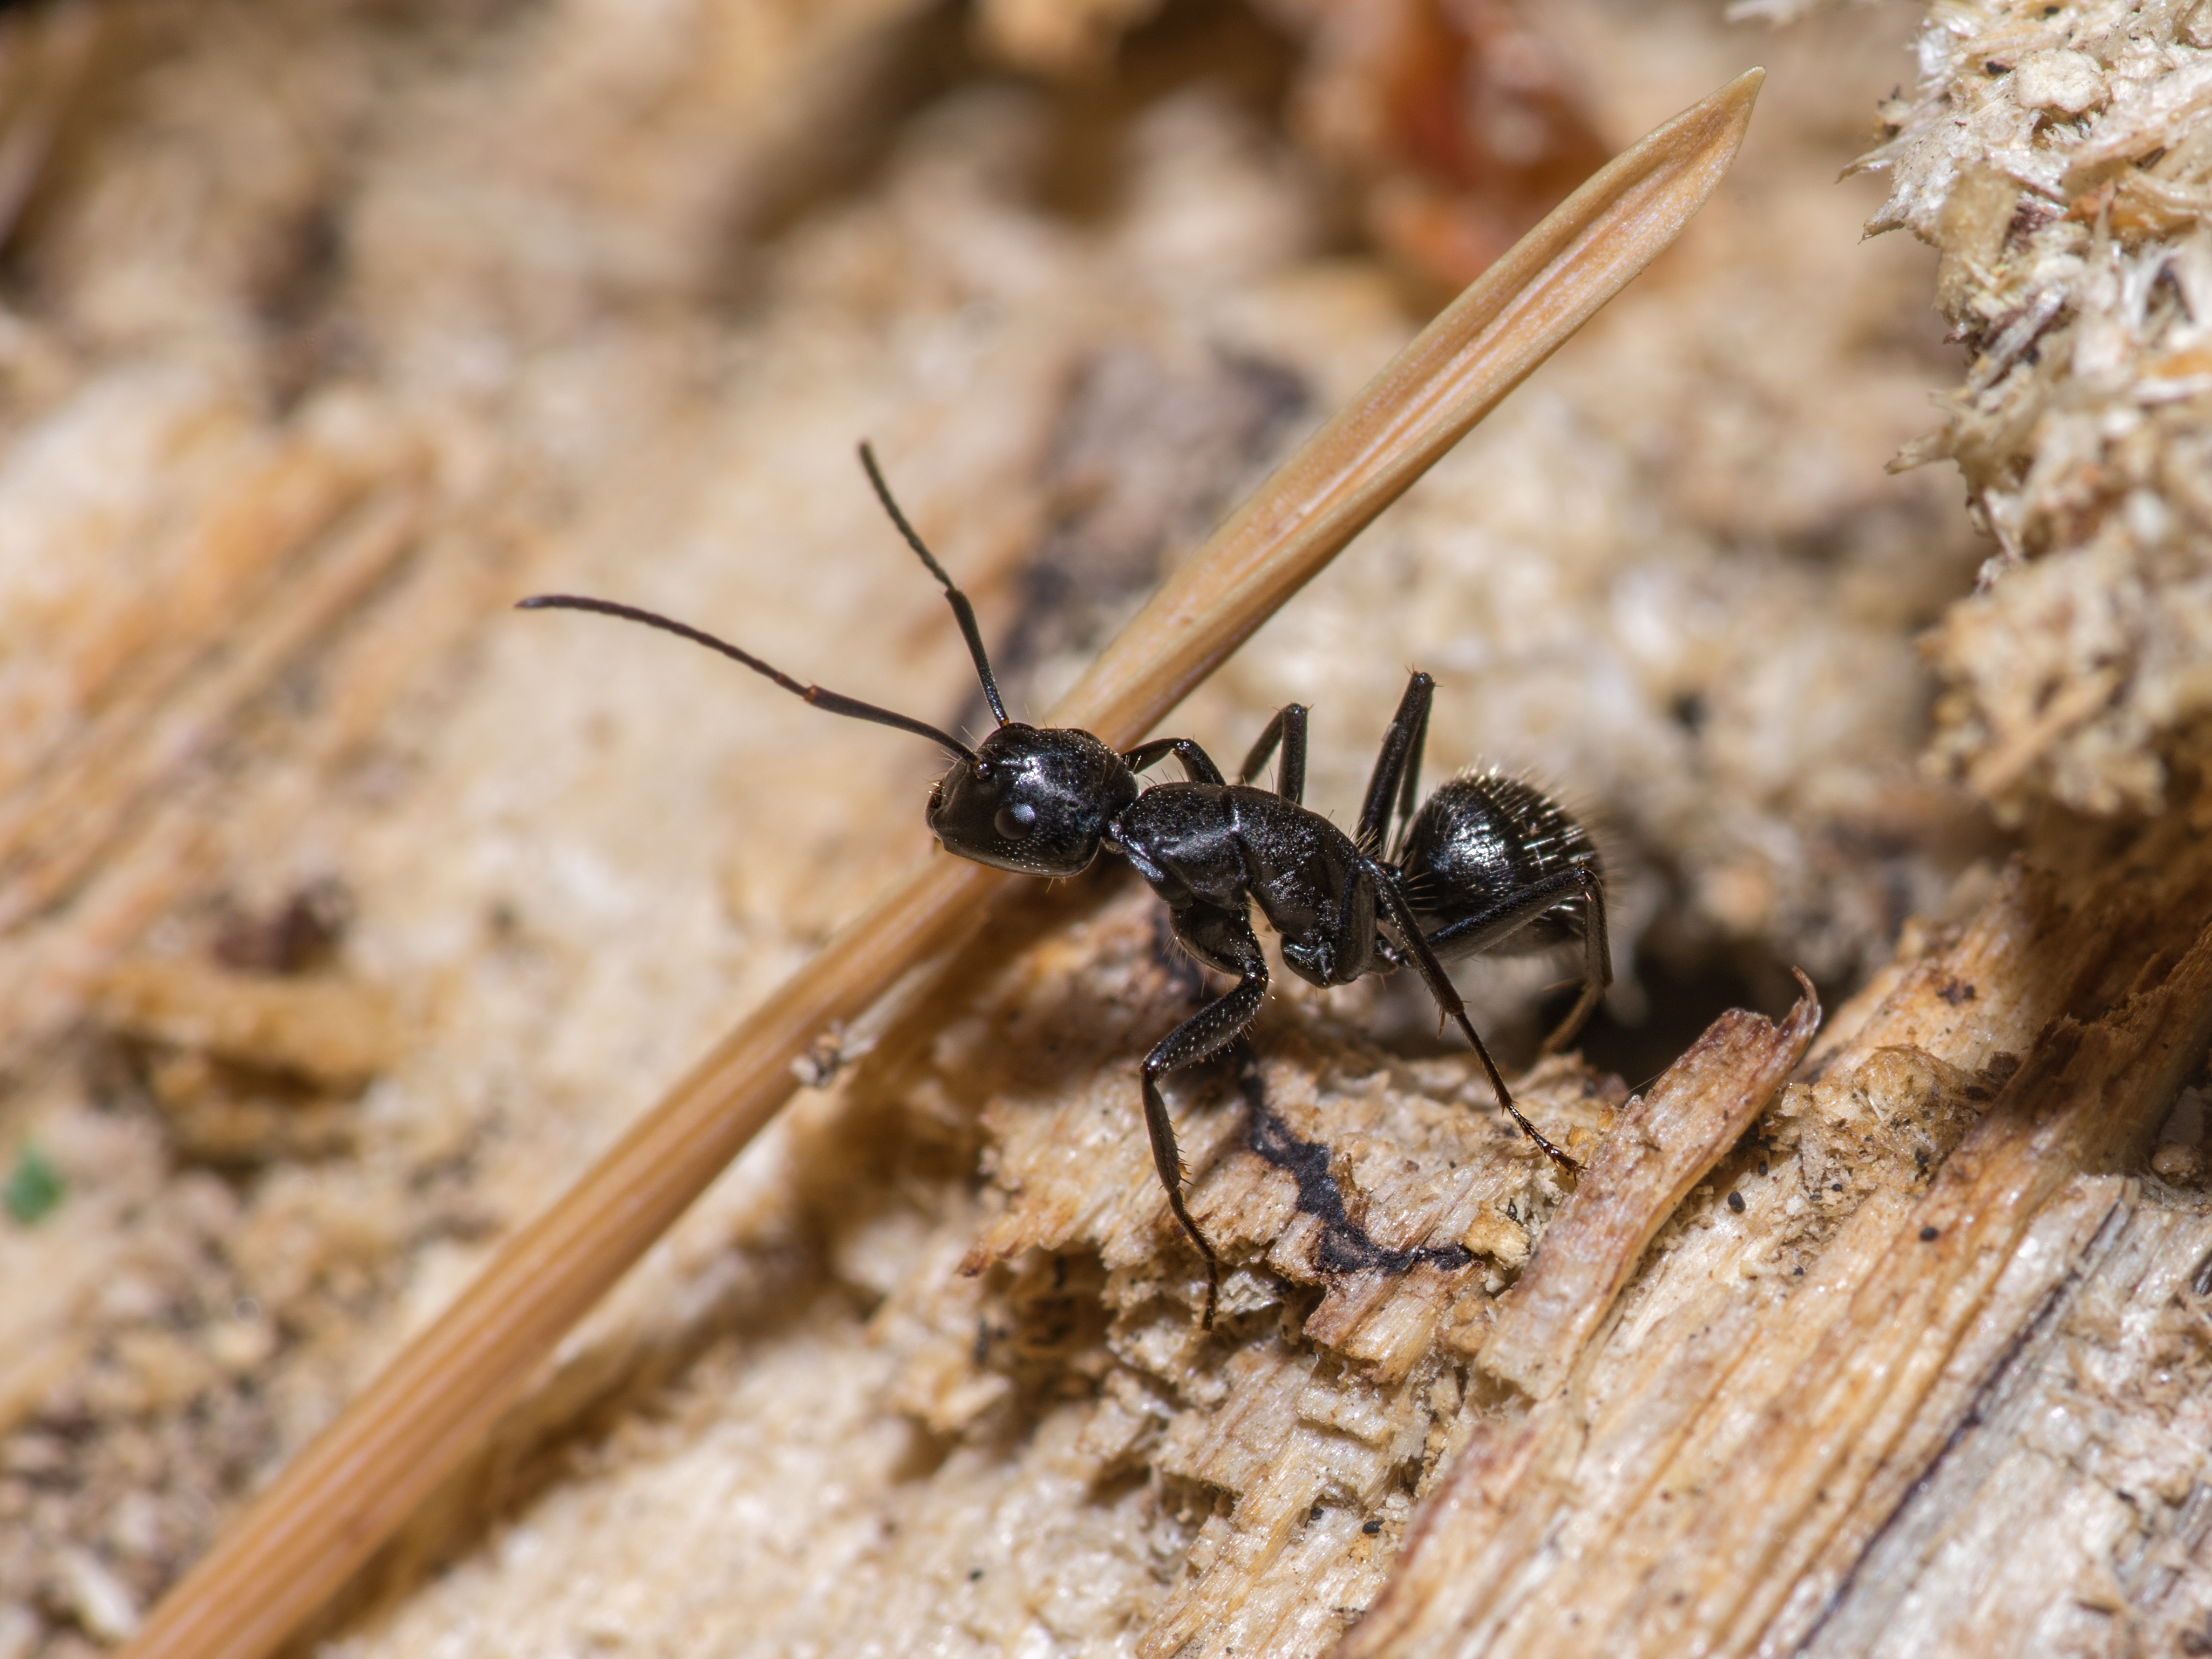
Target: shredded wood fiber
[(2061, 161), (343, 914)]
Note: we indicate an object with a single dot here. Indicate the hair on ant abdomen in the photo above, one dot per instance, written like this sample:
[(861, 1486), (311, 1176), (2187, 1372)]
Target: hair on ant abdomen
[(1487, 863)]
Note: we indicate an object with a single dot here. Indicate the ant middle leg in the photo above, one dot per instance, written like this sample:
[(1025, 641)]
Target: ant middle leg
[(1397, 776), (1289, 729), (1222, 939), (1471, 935)]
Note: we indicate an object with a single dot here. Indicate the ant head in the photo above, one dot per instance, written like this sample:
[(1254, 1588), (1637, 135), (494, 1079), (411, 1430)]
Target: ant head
[(1031, 799)]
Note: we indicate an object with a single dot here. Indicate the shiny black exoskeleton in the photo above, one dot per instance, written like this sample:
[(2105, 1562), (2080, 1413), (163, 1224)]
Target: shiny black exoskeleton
[(1491, 863), (1487, 864)]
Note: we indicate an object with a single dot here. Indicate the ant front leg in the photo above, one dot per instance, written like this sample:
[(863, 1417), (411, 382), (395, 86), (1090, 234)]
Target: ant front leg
[(1449, 1003), (1471, 935), (1223, 939), (1289, 729), (1397, 774)]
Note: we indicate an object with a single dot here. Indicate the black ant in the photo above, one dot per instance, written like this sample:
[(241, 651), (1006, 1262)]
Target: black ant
[(1488, 863)]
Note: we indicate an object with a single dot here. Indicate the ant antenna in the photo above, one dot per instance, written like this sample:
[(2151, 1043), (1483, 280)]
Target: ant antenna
[(962, 609), (834, 703)]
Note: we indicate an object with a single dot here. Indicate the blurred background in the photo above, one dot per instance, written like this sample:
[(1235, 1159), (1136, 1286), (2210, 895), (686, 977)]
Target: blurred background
[(344, 914)]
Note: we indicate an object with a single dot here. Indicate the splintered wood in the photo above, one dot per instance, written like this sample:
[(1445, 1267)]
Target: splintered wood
[(1831, 1359), (1668, 1139), (1086, 1460), (1368, 1209), (1451, 1407), (1779, 1386)]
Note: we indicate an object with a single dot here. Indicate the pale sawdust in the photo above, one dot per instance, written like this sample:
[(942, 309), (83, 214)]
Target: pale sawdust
[(2058, 158)]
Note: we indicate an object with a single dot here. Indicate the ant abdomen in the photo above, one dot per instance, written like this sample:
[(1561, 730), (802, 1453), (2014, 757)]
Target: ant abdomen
[(1477, 843)]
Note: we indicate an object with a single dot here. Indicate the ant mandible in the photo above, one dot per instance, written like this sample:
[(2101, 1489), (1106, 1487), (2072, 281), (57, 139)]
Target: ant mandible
[(1488, 863)]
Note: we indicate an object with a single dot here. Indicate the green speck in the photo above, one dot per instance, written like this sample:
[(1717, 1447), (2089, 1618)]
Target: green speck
[(33, 1188)]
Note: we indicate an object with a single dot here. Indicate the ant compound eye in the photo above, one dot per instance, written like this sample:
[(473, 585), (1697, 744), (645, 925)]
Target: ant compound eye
[(1015, 820)]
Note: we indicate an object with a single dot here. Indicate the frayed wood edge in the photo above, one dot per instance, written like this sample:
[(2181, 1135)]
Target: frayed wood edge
[(1722, 1500)]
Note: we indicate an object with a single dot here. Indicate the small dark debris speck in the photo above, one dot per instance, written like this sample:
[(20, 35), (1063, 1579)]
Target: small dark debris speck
[(304, 934), (1955, 991), (1993, 67), (1929, 1235), (1762, 1166), (1735, 1202), (1313, 1514), (1835, 1186), (973, 1573), (1371, 1528)]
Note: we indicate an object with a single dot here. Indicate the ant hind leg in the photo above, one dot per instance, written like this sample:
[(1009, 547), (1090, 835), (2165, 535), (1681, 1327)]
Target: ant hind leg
[(1597, 965), (1472, 935)]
